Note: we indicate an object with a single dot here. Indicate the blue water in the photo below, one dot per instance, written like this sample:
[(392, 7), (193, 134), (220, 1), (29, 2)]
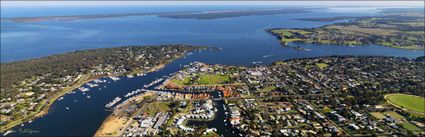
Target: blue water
[(242, 39)]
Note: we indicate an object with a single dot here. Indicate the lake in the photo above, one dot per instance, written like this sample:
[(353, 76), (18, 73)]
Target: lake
[(242, 39)]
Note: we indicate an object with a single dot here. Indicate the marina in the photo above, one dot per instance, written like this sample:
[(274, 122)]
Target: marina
[(87, 115), (113, 102)]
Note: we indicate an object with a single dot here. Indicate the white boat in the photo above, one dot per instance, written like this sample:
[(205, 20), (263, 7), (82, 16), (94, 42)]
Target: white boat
[(132, 93), (130, 76), (257, 62), (99, 81), (92, 85), (30, 121), (83, 89), (114, 78), (88, 97), (67, 108), (7, 132)]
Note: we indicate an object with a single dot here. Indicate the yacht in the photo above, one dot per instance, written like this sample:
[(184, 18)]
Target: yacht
[(7, 132)]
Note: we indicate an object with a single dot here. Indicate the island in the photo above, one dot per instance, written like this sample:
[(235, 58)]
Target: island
[(235, 13), (320, 96), (210, 14), (403, 30), (29, 87)]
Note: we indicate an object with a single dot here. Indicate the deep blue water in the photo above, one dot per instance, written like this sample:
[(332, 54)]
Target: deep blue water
[(242, 39)]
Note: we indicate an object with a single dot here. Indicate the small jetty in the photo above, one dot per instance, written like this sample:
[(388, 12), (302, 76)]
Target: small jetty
[(113, 102), (132, 93), (153, 82)]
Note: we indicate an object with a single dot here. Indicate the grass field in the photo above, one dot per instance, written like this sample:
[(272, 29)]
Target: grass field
[(153, 108), (182, 82), (213, 79), (377, 115), (322, 65), (327, 110), (268, 89), (410, 127), (409, 102), (210, 79), (394, 114)]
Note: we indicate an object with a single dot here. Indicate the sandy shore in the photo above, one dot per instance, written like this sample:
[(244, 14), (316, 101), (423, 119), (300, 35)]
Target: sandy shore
[(111, 126), (114, 125)]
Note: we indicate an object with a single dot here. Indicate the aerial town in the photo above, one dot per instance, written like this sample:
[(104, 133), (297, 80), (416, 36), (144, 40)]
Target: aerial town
[(299, 97), (39, 88), (218, 69)]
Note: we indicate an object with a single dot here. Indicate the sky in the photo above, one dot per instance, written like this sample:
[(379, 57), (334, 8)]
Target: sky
[(310, 3)]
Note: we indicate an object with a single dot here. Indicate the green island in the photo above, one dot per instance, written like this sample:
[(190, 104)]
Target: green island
[(29, 87), (397, 30), (408, 102)]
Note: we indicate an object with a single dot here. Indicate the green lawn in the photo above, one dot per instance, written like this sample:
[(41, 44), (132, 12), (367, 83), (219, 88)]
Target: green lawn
[(153, 108), (182, 82), (322, 65), (209, 79), (410, 127), (409, 102), (269, 88), (377, 115), (327, 110), (394, 114), (213, 79)]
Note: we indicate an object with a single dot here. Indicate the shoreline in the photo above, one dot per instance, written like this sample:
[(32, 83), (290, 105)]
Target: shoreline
[(284, 43), (86, 78), (105, 128), (45, 108)]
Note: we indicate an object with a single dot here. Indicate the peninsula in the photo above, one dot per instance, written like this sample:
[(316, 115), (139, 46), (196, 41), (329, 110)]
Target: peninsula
[(29, 87), (397, 30)]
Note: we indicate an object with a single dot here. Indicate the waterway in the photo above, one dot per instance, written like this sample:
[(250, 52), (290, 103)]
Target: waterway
[(242, 39)]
